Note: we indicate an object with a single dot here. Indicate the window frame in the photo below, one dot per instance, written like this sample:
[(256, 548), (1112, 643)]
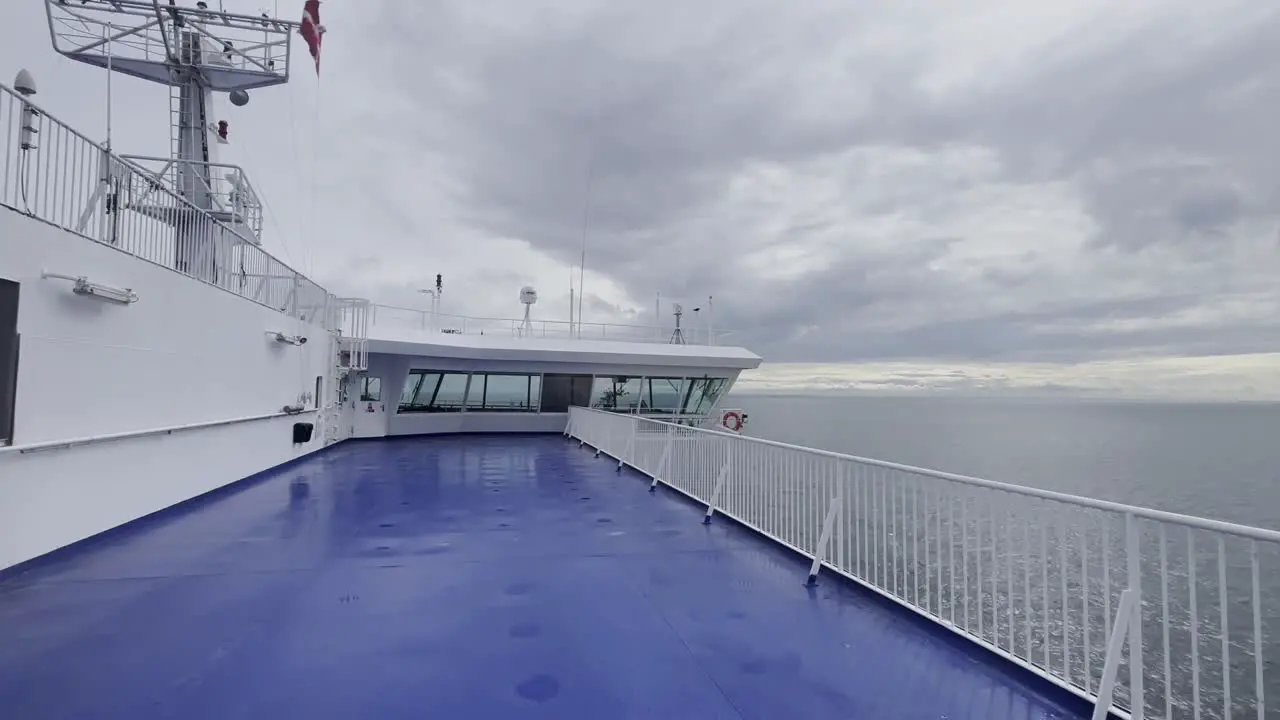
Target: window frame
[(531, 402), (474, 394), (365, 382)]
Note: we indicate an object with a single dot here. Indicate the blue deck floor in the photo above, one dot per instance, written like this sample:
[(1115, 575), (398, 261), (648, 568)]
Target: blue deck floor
[(481, 577)]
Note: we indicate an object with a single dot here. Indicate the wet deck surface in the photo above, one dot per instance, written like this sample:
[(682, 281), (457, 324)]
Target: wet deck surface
[(481, 577)]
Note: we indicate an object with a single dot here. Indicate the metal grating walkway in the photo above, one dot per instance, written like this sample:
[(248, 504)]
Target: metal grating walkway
[(469, 577)]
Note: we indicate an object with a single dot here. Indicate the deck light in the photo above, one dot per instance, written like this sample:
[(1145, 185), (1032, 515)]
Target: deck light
[(287, 339), (82, 286)]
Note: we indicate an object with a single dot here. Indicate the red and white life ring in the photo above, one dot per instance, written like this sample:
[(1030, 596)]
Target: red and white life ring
[(732, 420)]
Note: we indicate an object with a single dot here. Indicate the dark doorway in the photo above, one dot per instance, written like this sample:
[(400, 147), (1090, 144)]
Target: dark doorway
[(8, 357), (561, 391)]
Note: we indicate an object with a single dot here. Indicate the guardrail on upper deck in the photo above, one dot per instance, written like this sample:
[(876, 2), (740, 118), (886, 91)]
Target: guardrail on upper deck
[(416, 322), (1034, 576), (72, 182)]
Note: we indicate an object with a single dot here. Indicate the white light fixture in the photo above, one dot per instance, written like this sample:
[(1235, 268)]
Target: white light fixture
[(82, 286), (287, 339)]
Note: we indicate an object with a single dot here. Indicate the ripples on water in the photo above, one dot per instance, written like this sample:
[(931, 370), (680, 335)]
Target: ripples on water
[(1213, 460), (1209, 460)]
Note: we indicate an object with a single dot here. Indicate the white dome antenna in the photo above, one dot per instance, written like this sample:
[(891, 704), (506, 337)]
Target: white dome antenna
[(528, 296), (24, 83)]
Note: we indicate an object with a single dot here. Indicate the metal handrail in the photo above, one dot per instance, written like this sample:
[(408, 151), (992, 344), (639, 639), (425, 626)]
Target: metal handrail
[(232, 194), (76, 184), (433, 322), (1222, 526), (134, 434), (1034, 576)]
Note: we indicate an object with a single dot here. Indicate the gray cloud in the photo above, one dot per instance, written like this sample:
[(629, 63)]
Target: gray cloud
[(851, 181), (1151, 135)]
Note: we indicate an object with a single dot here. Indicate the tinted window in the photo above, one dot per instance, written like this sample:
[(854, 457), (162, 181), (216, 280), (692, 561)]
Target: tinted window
[(371, 389), (615, 393), (451, 394), (662, 395), (419, 388), (507, 392), (426, 391), (701, 395), (561, 391)]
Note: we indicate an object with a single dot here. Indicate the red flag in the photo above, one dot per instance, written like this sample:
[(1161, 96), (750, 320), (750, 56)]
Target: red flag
[(312, 31)]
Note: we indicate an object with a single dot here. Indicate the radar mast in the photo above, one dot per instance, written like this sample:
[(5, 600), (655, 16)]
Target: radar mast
[(196, 52)]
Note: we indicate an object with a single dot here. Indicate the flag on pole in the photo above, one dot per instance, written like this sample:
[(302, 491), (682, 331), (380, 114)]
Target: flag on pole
[(312, 31)]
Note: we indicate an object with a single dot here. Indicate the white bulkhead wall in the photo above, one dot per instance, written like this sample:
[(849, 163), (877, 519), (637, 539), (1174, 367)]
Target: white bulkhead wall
[(185, 352)]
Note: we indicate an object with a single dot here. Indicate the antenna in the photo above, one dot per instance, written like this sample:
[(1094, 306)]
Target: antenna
[(528, 296), (677, 337), (196, 52), (711, 332), (434, 312)]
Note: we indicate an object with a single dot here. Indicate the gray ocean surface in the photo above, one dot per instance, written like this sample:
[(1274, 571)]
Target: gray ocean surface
[(1217, 460)]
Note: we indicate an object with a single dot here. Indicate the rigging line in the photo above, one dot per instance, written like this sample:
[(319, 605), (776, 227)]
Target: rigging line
[(270, 211), (315, 135), (297, 161)]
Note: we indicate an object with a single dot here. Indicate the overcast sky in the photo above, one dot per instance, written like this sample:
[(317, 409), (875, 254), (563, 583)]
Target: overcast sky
[(946, 186)]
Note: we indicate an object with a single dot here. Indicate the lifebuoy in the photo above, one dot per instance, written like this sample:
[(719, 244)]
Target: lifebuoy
[(732, 420)]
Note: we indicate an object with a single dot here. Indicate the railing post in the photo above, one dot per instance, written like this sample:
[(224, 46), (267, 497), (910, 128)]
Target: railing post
[(666, 457), (1125, 620), (824, 539), (1137, 696), (719, 488), (631, 445)]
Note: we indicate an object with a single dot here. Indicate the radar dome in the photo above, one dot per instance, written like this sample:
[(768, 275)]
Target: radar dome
[(24, 83), (528, 295)]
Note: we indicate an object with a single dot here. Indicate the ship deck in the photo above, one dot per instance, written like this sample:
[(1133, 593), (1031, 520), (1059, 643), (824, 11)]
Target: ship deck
[(469, 577)]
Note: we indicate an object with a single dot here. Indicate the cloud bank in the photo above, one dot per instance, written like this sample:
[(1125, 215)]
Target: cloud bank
[(981, 184)]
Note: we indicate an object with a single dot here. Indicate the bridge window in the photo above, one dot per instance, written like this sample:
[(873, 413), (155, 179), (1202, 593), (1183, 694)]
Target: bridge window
[(662, 395), (451, 394), (493, 392), (413, 387), (615, 393), (427, 391), (701, 395)]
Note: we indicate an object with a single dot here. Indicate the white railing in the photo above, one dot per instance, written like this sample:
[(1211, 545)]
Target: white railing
[(69, 181), (232, 197), (1036, 577), (134, 434), (414, 323), (354, 330), (142, 31)]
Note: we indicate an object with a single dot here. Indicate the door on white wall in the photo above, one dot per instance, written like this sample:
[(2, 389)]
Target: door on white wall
[(370, 411), (8, 357)]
